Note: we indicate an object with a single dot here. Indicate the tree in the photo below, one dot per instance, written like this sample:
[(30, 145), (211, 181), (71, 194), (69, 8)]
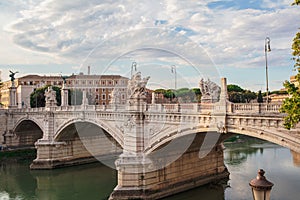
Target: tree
[(248, 96), (198, 95), (37, 97), (236, 94), (260, 97), (291, 105), (234, 88)]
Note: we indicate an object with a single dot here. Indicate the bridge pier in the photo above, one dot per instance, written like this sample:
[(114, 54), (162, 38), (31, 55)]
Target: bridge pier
[(143, 177)]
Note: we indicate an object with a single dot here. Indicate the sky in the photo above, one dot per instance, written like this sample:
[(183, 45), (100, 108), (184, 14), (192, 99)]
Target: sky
[(200, 39)]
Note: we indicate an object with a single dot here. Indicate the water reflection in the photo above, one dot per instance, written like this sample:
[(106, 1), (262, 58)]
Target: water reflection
[(93, 181), (243, 157), (253, 154)]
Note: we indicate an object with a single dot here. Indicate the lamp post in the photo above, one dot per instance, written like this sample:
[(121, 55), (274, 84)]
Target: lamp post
[(267, 49), (173, 70), (261, 187), (133, 66)]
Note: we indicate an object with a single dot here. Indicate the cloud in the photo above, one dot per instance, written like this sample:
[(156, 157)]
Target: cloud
[(228, 33)]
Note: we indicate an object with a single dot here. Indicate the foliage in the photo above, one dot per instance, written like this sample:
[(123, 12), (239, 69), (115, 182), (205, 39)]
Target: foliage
[(236, 94), (260, 97), (183, 95), (234, 88), (297, 2), (248, 96), (169, 94), (37, 97), (291, 105)]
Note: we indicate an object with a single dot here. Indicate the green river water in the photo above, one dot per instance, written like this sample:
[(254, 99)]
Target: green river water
[(96, 181)]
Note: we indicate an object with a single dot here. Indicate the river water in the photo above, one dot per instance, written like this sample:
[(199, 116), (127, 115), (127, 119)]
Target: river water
[(96, 181)]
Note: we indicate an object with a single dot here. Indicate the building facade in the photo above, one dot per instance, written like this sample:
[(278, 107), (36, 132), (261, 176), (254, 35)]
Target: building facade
[(97, 87)]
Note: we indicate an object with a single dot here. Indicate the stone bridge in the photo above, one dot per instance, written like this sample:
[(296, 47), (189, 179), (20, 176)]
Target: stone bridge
[(158, 149)]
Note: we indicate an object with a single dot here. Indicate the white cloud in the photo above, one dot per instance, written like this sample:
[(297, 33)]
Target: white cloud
[(84, 31)]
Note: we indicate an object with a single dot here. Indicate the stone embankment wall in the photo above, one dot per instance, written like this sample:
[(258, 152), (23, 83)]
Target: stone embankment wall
[(3, 124)]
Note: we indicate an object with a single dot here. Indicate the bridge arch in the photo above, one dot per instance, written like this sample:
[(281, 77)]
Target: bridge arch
[(26, 132), (115, 134), (281, 137), (28, 118), (166, 137), (278, 136)]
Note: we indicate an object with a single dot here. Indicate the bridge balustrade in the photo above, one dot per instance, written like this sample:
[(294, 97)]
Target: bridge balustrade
[(255, 107)]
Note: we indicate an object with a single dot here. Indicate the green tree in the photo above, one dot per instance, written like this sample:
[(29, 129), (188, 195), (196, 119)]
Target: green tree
[(234, 88), (37, 97), (169, 94), (236, 94), (260, 97), (297, 2), (197, 93), (248, 95), (291, 105)]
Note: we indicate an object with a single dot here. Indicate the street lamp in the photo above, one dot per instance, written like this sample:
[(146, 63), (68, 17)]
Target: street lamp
[(133, 66), (267, 49), (261, 187), (173, 70)]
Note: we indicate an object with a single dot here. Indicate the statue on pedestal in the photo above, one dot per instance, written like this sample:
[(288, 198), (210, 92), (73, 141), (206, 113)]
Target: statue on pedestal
[(116, 96), (210, 91), (50, 97), (137, 86), (12, 77)]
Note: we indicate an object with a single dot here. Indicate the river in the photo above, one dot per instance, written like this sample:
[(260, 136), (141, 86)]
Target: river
[(96, 181)]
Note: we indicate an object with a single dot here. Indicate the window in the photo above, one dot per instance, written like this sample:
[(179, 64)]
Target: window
[(103, 97), (103, 82)]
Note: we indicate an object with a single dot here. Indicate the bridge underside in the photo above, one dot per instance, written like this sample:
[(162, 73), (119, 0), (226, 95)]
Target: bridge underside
[(136, 181), (24, 136), (78, 143)]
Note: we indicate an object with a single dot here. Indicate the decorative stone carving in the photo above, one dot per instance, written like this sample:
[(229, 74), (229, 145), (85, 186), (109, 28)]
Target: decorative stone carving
[(210, 91), (116, 96), (129, 123), (137, 86), (50, 97), (221, 127)]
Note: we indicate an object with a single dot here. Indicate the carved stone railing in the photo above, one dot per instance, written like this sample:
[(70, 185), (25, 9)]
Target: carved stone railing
[(254, 108), (240, 108)]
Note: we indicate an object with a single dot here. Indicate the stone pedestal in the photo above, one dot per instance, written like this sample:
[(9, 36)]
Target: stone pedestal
[(12, 97), (143, 177), (84, 99), (64, 96)]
